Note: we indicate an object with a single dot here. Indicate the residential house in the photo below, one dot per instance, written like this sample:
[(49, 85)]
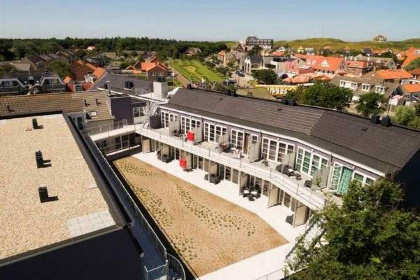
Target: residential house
[(301, 50), (36, 63), (324, 64), (18, 83), (253, 63), (310, 51), (357, 67), (391, 75), (227, 56), (123, 84), (376, 62), (368, 52), (415, 73), (366, 84), (66, 56), (192, 51), (152, 70), (84, 71)]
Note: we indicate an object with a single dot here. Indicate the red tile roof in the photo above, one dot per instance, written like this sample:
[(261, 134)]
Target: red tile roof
[(326, 63), (412, 88), (357, 64), (415, 71), (411, 55), (393, 74)]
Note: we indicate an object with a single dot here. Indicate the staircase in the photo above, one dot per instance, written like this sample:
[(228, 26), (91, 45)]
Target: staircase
[(151, 112)]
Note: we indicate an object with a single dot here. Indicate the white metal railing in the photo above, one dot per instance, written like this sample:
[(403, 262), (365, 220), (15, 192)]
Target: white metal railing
[(106, 127), (295, 189), (131, 207)]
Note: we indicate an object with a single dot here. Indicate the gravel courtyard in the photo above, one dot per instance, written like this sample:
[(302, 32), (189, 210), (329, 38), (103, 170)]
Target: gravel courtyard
[(208, 232)]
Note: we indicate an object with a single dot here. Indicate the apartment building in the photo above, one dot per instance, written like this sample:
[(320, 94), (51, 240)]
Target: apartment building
[(296, 155)]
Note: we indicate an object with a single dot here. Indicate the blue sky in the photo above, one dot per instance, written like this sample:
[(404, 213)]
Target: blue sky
[(212, 20)]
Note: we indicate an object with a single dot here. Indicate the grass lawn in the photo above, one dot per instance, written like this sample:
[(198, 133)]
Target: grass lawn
[(193, 70), (208, 232)]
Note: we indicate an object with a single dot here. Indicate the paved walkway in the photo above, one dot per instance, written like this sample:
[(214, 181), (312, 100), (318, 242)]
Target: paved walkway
[(253, 267)]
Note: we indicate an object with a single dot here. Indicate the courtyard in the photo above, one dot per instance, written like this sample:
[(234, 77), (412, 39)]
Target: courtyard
[(208, 232)]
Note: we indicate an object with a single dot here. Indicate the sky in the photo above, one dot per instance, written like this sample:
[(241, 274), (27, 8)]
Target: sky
[(212, 20)]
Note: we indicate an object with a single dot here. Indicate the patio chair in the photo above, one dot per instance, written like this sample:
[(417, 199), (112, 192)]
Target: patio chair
[(264, 162), (35, 124), (308, 183), (286, 170), (298, 176), (245, 192), (279, 167)]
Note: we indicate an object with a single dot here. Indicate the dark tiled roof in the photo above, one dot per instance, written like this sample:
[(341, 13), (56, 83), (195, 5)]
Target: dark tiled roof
[(383, 148), (117, 83), (66, 102)]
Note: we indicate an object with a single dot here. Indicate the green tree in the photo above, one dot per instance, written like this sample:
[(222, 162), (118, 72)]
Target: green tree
[(62, 69), (322, 94), (408, 116), (371, 104), (414, 64), (255, 50), (369, 237), (265, 76), (6, 68)]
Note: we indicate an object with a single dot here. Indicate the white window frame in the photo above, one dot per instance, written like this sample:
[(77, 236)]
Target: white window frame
[(364, 177), (312, 154), (211, 131), (167, 117), (235, 139), (188, 123), (276, 152)]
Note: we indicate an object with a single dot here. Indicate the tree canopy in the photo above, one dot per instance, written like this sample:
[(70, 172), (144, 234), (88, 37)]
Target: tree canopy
[(62, 69), (265, 76), (408, 116), (322, 94), (371, 104), (18, 48), (6, 68), (369, 237)]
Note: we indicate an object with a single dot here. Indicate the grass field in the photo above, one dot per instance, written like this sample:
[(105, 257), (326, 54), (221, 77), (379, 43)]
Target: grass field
[(337, 44), (207, 231), (194, 71)]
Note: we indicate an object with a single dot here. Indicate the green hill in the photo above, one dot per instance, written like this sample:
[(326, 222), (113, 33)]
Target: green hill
[(337, 44)]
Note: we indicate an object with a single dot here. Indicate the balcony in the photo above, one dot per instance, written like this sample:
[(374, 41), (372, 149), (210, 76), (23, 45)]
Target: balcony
[(313, 198)]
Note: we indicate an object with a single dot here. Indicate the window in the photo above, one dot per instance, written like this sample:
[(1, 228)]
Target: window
[(167, 117), (275, 151), (212, 132), (138, 112), (237, 139), (365, 87), (363, 179), (187, 124), (309, 163)]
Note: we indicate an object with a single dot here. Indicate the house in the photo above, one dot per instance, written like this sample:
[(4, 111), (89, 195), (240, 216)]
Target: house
[(123, 84), (357, 67), (310, 51), (18, 83), (397, 75), (192, 51), (324, 64), (411, 89), (36, 63), (85, 71), (91, 48), (152, 70), (301, 50), (283, 65), (227, 56), (376, 62), (415, 73), (367, 83), (83, 204), (379, 38), (253, 63)]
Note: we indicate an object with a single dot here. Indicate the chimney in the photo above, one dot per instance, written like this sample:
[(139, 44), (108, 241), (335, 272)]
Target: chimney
[(160, 90)]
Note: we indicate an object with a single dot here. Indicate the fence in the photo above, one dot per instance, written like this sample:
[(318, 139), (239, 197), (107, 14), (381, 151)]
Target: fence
[(126, 200), (106, 127)]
